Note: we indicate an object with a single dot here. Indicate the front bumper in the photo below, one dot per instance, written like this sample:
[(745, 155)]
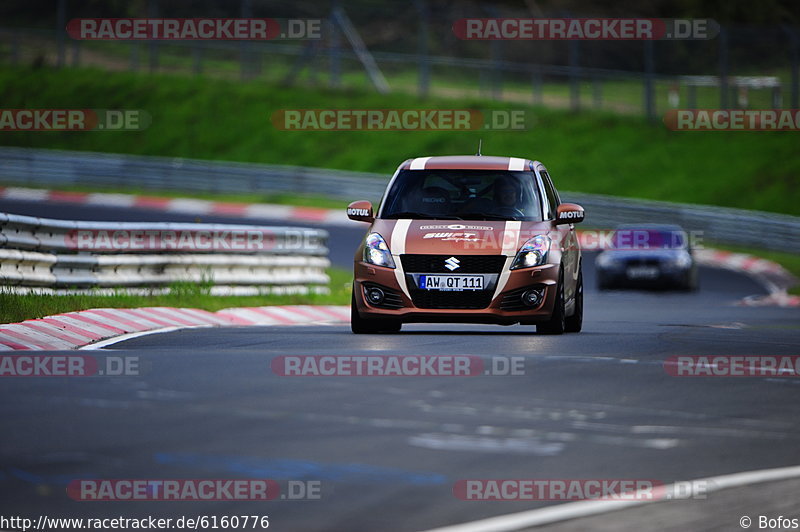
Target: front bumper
[(504, 306)]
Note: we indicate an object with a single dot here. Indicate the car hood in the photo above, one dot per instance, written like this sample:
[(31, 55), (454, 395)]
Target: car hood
[(457, 237)]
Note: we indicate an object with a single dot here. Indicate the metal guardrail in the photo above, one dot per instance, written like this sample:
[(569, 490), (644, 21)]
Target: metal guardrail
[(25, 166), (71, 254), (63, 168)]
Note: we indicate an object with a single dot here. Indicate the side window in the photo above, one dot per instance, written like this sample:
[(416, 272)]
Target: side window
[(552, 195)]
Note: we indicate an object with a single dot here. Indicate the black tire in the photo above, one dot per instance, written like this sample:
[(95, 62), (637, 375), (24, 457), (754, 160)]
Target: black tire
[(574, 323), (556, 324), (359, 325)]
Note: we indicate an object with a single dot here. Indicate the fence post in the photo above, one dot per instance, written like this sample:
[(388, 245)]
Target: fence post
[(536, 82), (723, 68), (245, 55), (61, 23), (574, 88), (422, 48), (691, 97), (197, 58), (497, 74), (334, 51), (597, 92), (14, 46), (76, 53), (152, 45), (134, 56), (794, 55), (649, 80)]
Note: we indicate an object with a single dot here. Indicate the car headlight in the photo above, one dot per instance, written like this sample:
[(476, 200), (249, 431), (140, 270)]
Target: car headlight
[(377, 252), (532, 253), (683, 260)]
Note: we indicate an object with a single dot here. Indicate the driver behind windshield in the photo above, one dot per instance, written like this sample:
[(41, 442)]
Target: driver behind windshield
[(507, 195)]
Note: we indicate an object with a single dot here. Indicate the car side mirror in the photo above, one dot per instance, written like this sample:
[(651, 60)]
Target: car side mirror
[(569, 213), (360, 211)]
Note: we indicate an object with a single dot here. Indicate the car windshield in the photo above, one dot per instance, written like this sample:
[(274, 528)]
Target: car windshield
[(648, 238), (463, 195)]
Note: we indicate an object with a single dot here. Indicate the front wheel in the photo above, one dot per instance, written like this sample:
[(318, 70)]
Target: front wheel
[(557, 322), (574, 323)]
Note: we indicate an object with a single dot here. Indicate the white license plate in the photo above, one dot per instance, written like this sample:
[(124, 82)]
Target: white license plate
[(642, 272), (452, 283)]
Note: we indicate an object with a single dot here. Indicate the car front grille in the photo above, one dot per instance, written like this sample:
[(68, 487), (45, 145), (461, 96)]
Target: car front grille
[(467, 263)]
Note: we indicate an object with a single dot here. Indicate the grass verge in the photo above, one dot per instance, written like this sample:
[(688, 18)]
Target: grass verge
[(594, 152)]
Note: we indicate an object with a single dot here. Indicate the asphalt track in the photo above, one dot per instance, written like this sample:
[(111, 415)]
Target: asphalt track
[(388, 450)]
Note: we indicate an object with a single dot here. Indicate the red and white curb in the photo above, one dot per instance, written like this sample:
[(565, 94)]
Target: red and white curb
[(771, 275), (182, 205), (89, 327)]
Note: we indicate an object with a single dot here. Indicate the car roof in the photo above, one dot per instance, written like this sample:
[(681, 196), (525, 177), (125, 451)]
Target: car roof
[(469, 162)]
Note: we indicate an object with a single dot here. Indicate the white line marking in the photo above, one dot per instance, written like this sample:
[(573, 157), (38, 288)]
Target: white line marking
[(573, 510), (130, 336)]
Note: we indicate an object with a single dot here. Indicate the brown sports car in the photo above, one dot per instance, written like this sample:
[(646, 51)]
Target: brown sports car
[(468, 239)]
